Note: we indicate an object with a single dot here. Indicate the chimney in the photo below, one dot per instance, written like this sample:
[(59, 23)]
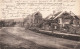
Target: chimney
[(70, 12), (53, 12)]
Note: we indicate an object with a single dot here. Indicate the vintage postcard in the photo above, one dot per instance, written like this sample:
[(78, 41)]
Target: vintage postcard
[(39, 24)]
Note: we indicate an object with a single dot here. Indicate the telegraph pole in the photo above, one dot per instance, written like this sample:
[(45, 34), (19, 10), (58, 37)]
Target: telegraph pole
[(52, 21)]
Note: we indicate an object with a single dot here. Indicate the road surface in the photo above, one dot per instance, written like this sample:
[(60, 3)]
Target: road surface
[(19, 37)]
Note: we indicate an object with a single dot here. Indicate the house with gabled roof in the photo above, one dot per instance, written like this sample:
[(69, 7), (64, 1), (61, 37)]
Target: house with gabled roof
[(67, 18), (33, 20), (67, 21), (63, 20)]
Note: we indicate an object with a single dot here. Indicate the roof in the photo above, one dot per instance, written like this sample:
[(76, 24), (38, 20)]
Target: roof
[(58, 15), (51, 16), (37, 13), (71, 13)]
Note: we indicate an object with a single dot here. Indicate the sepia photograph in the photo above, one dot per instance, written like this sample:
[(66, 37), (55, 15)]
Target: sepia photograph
[(39, 24)]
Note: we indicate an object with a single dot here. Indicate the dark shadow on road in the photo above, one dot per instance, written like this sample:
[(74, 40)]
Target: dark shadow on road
[(6, 46), (12, 39)]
